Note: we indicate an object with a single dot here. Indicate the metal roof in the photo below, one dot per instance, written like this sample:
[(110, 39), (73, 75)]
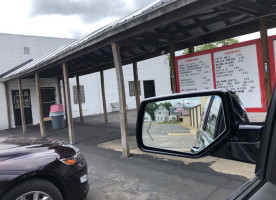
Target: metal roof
[(147, 32)]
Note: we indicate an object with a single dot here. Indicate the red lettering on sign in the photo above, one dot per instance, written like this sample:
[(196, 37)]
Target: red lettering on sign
[(192, 59), (230, 52)]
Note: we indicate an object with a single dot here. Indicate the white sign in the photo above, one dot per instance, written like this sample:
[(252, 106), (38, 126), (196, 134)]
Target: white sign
[(274, 47), (237, 70), (195, 73)]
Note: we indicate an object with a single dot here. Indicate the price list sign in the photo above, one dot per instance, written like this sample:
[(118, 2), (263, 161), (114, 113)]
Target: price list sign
[(237, 70), (195, 73)]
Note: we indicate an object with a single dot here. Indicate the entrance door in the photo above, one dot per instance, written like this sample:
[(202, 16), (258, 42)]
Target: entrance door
[(149, 89), (48, 98), (27, 107)]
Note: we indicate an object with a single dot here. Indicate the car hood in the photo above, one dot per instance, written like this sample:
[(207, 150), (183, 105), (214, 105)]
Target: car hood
[(29, 153)]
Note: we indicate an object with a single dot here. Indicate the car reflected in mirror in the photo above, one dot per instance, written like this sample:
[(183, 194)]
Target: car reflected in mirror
[(183, 124)]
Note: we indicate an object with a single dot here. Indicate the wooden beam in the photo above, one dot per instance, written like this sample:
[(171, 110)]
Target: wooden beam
[(264, 44), (79, 97), (40, 110), (122, 97), (59, 92), (252, 8), (190, 118), (65, 103), (191, 49), (146, 42), (172, 65), (8, 104), (68, 104), (206, 22), (137, 86), (154, 35), (103, 96), (21, 106), (196, 118)]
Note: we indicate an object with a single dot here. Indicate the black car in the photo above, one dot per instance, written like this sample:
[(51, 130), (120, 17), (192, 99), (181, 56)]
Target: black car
[(238, 139), (41, 169)]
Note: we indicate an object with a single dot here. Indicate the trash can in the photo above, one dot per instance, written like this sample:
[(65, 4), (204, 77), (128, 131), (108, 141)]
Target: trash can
[(57, 114)]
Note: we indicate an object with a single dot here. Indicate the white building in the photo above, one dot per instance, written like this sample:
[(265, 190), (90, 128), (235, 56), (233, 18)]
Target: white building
[(147, 117), (161, 114), (22, 48)]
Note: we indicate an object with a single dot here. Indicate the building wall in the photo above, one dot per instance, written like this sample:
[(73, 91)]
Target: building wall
[(28, 84), (12, 54), (147, 117), (187, 120), (12, 48), (161, 114), (147, 70), (3, 109), (92, 88)]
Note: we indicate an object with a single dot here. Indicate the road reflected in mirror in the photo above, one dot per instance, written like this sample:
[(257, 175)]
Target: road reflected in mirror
[(183, 125)]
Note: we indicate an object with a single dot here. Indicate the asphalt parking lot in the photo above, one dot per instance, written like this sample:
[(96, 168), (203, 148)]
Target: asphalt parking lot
[(143, 176)]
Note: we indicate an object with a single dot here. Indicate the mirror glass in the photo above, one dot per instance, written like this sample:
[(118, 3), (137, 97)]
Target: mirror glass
[(185, 125)]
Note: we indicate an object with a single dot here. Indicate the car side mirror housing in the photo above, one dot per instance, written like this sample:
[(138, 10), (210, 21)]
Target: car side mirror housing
[(188, 124)]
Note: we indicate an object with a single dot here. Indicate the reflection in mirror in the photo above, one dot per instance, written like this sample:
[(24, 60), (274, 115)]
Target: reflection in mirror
[(183, 125)]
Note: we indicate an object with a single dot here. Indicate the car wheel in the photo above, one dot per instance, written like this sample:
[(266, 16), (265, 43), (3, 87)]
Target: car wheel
[(35, 189)]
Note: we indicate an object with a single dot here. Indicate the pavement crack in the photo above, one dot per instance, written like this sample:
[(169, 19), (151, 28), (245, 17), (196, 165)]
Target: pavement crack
[(218, 188)]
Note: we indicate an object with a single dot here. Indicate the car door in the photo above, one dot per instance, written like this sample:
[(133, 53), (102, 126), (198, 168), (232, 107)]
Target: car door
[(263, 185)]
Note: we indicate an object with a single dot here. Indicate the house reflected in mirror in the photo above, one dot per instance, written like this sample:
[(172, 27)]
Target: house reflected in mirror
[(185, 125)]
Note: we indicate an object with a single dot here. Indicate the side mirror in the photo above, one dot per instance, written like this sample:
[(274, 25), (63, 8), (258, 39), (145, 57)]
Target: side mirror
[(188, 125)]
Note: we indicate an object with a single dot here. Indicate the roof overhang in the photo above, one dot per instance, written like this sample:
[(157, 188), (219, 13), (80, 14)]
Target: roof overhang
[(147, 33)]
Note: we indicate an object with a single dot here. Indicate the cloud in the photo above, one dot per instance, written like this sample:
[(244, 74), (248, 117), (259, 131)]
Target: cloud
[(89, 11)]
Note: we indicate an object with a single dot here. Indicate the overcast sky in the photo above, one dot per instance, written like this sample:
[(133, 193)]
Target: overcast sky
[(67, 18), (62, 18)]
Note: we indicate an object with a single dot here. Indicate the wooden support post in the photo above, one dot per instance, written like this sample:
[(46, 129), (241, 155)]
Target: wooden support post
[(40, 110), (59, 92), (68, 104), (137, 86), (191, 49), (8, 104), (103, 97), (190, 117), (21, 106), (65, 103), (196, 118), (172, 65), (122, 98), (267, 81), (79, 97)]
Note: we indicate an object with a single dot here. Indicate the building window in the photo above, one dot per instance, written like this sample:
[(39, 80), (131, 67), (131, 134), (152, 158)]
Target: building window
[(131, 86), (26, 50), (75, 94)]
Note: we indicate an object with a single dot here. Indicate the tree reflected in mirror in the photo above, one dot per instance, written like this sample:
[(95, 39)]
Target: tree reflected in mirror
[(184, 125)]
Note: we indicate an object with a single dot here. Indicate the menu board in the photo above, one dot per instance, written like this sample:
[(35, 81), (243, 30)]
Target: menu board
[(237, 70), (195, 73), (274, 47)]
